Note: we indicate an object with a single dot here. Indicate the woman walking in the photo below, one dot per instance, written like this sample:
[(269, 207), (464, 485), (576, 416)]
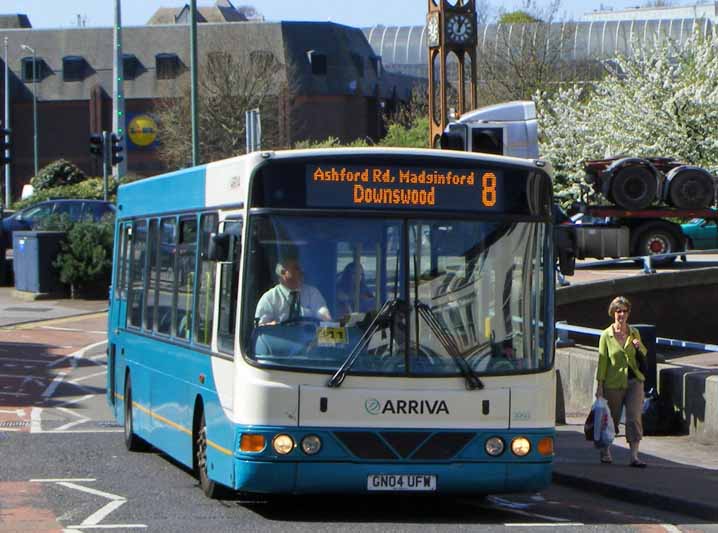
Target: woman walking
[(619, 378)]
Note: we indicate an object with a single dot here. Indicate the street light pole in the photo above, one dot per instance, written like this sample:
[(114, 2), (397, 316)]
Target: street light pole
[(34, 101)]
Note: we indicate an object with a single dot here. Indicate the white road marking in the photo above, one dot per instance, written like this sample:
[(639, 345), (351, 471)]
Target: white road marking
[(23, 360), (89, 376), (542, 524), (57, 480), (17, 412), (35, 420), (112, 526), (671, 528), (50, 390), (93, 521)]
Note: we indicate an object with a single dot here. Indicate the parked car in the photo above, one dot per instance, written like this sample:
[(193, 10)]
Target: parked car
[(75, 211), (702, 233)]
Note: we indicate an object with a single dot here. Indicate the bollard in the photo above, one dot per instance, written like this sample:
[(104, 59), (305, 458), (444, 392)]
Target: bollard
[(562, 340), (648, 336)]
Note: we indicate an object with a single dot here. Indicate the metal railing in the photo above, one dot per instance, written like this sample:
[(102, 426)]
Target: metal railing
[(647, 260), (563, 329)]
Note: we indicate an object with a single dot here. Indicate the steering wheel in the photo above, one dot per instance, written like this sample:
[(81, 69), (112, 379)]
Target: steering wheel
[(300, 320)]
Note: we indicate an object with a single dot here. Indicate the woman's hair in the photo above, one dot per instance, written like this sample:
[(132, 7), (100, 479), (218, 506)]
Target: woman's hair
[(618, 301)]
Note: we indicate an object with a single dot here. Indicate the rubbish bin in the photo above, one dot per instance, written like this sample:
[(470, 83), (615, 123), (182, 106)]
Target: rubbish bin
[(34, 252)]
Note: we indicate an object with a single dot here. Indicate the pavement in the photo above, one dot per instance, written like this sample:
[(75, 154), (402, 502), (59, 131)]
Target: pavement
[(682, 475)]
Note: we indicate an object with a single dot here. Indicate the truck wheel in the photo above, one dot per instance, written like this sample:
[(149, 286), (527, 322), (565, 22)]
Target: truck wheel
[(656, 240), (634, 187), (690, 189)]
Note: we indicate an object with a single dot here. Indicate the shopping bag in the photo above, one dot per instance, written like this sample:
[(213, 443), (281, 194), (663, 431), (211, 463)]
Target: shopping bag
[(603, 429), (588, 426)]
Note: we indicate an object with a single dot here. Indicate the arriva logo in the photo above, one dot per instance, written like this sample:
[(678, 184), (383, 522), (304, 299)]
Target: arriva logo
[(372, 406), (406, 407)]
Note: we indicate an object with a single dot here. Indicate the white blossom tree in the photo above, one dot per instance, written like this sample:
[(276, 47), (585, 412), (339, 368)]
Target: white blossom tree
[(661, 101)]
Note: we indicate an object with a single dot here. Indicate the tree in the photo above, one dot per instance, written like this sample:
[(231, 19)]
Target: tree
[(661, 101), (57, 173), (229, 85), (85, 259), (525, 54), (517, 17)]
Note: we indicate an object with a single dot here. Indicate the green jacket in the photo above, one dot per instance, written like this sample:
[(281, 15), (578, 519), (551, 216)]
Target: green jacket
[(614, 359)]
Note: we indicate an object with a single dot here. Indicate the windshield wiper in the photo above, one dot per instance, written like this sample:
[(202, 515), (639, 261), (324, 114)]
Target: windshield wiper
[(449, 343), (382, 320)]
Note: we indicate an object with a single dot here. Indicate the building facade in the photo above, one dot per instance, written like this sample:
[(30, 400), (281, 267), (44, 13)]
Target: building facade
[(331, 83)]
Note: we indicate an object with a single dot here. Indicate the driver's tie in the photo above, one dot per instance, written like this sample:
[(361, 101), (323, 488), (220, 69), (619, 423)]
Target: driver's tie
[(295, 309)]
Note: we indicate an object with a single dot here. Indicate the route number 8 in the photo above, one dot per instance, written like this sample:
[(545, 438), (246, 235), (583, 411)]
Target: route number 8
[(488, 189)]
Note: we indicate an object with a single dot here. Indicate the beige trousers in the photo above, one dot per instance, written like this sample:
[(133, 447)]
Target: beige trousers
[(632, 399)]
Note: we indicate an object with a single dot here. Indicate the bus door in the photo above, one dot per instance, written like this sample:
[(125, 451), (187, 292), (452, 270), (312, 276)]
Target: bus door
[(118, 309)]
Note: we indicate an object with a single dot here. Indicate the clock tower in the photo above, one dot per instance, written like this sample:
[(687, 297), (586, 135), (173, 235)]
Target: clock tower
[(450, 29)]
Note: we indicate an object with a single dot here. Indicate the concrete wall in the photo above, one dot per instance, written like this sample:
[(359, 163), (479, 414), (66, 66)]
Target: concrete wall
[(675, 302), (688, 394)]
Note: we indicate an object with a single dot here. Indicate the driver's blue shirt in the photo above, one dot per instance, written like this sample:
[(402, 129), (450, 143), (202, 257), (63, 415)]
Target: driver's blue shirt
[(274, 304)]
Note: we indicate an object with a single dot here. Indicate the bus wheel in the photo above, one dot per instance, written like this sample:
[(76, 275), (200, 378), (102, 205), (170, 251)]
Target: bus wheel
[(210, 488), (132, 442)]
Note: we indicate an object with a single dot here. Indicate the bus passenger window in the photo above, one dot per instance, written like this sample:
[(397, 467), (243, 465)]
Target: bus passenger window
[(186, 252), (137, 273), (151, 276), (166, 264), (204, 311)]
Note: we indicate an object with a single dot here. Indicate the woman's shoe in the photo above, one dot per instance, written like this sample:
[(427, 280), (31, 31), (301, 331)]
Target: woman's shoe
[(638, 464), (606, 457)]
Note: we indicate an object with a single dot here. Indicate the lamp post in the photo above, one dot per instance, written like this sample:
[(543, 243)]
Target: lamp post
[(34, 100)]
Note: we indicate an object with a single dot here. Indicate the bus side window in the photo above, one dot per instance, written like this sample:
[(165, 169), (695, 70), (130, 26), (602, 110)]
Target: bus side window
[(186, 257), (204, 309), (123, 253), (151, 300), (166, 265), (228, 285), (136, 295)]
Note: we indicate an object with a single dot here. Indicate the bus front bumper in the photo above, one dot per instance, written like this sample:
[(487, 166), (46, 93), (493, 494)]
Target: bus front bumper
[(346, 477)]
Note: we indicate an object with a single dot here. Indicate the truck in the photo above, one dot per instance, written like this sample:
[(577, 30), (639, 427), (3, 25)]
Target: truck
[(646, 196)]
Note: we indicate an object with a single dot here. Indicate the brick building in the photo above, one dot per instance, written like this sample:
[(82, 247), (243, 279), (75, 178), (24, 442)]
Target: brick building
[(338, 86)]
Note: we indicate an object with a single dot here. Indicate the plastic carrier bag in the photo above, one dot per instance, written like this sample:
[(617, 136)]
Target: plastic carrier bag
[(603, 429)]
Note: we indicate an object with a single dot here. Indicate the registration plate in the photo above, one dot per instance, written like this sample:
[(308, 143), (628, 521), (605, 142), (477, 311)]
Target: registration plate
[(398, 482)]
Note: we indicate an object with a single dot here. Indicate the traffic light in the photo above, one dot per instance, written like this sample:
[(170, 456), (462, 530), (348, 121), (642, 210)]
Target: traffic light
[(96, 145), (116, 148), (4, 132)]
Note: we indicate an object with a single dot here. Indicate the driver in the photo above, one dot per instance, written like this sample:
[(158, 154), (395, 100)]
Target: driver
[(291, 298)]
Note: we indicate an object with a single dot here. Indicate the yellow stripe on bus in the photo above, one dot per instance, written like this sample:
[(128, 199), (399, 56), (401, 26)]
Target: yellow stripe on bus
[(174, 425)]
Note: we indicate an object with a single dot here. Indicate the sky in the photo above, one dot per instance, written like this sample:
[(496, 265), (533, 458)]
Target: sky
[(358, 13)]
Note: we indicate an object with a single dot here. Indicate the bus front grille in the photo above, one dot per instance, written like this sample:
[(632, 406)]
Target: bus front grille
[(404, 445)]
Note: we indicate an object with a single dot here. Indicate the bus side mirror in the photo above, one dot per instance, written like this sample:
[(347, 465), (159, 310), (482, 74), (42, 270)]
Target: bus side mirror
[(221, 246)]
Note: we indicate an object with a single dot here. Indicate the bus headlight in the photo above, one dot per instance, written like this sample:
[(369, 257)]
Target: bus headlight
[(520, 446), (494, 446), (311, 444), (283, 444)]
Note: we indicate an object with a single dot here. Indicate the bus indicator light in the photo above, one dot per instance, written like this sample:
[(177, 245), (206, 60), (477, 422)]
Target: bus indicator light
[(251, 442), (545, 446)]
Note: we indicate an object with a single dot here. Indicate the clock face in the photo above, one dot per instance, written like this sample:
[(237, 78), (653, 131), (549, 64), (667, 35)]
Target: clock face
[(432, 29), (460, 28)]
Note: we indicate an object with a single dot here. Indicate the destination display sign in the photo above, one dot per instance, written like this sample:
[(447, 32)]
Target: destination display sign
[(398, 187)]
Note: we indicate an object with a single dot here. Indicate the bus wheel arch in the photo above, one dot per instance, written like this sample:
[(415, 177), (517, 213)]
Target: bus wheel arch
[(211, 489)]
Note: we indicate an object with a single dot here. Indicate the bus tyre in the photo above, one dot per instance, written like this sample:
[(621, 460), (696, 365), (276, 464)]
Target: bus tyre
[(634, 187), (655, 240), (133, 443), (210, 488)]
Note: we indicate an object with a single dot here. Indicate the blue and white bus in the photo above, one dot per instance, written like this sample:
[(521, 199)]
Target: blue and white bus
[(423, 364)]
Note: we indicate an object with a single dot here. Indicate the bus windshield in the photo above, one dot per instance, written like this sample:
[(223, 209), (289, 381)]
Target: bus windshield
[(475, 289)]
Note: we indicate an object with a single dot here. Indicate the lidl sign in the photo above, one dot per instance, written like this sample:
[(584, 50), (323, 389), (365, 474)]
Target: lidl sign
[(142, 131)]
